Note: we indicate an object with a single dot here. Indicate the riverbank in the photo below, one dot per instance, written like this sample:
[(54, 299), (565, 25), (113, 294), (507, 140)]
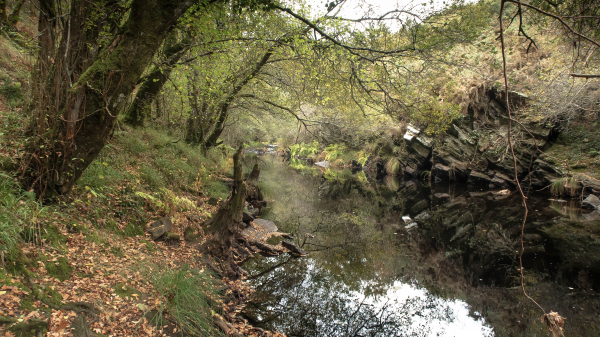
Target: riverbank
[(89, 259), (474, 150)]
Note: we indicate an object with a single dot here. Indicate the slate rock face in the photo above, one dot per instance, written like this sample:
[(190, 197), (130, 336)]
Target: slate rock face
[(160, 227), (474, 149)]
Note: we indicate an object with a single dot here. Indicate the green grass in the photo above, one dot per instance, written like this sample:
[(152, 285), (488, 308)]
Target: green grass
[(19, 211), (189, 296), (565, 186)]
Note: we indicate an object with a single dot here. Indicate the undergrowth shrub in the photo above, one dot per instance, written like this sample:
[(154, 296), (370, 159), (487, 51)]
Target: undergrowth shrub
[(190, 296), (565, 186), (17, 211)]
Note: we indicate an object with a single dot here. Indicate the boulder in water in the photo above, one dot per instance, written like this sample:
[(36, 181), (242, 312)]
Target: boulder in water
[(591, 202)]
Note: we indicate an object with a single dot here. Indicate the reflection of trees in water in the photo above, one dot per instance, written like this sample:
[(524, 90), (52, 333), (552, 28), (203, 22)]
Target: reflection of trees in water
[(465, 249), (301, 299)]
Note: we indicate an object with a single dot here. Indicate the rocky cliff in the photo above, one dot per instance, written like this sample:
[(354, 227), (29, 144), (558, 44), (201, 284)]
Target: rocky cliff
[(475, 147)]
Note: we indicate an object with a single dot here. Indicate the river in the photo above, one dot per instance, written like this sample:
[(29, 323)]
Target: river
[(411, 258)]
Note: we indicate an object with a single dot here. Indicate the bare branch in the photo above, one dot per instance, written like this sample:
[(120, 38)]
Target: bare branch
[(585, 75)]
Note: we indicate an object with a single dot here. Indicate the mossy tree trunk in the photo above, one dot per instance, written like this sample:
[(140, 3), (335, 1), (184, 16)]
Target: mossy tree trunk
[(84, 88), (14, 17), (3, 14), (226, 223), (152, 84)]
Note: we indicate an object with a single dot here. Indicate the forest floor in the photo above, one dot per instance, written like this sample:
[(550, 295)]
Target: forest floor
[(89, 253)]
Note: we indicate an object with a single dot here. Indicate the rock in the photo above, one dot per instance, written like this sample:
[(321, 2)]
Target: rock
[(591, 202), (460, 232), (171, 238), (254, 212), (592, 216), (501, 180), (423, 216), (262, 230), (478, 178), (160, 227), (411, 132), (246, 217), (441, 172), (213, 201), (576, 243), (410, 172), (293, 248), (590, 184), (411, 225), (419, 206), (190, 236)]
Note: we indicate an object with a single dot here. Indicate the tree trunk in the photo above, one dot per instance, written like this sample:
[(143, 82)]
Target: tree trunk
[(67, 141), (223, 107), (152, 84), (3, 14), (13, 18), (226, 224)]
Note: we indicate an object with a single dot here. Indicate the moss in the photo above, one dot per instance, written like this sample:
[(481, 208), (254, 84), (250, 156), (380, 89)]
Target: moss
[(17, 262), (54, 237), (124, 290), (51, 297), (33, 328), (134, 229), (75, 228), (97, 239), (190, 236), (149, 246), (27, 304), (6, 320), (60, 269), (47, 295), (112, 226)]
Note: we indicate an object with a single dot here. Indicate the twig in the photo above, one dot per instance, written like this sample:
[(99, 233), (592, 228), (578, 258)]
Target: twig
[(513, 153), (585, 75)]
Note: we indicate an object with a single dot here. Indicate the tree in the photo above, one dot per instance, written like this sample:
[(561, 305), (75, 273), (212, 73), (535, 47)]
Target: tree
[(152, 83), (226, 223), (12, 19)]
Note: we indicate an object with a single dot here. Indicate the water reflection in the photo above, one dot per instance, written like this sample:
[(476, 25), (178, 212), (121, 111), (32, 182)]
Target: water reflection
[(303, 299), (451, 270)]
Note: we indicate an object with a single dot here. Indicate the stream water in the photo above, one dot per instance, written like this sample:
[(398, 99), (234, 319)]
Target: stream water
[(406, 258)]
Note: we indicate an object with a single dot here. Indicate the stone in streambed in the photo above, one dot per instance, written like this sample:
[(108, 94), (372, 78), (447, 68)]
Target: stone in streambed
[(591, 202), (247, 217)]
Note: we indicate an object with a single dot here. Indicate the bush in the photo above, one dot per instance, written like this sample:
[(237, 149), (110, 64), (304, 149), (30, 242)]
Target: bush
[(190, 297), (16, 211)]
